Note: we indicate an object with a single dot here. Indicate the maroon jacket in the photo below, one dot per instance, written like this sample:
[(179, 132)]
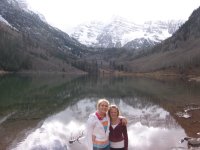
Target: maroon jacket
[(118, 134)]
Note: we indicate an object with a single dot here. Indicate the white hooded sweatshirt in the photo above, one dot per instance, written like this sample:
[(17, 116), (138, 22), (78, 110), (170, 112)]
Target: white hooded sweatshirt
[(96, 128)]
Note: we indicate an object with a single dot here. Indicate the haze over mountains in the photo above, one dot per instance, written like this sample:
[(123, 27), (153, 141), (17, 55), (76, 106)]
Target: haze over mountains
[(28, 43), (119, 32)]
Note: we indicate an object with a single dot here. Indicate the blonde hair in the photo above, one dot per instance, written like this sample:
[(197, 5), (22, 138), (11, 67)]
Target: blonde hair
[(102, 100), (113, 106)]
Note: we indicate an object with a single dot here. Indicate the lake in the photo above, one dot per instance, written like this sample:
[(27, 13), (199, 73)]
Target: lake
[(43, 112)]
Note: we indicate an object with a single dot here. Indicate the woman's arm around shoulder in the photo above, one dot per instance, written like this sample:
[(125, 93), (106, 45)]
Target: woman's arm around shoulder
[(123, 120)]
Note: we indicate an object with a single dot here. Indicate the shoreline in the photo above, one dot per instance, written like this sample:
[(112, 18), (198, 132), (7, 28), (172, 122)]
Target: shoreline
[(159, 75), (2, 72)]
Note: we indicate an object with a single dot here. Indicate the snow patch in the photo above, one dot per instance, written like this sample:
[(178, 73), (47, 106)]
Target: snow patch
[(5, 21)]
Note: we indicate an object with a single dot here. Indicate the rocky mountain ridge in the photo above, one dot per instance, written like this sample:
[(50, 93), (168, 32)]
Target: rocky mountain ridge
[(122, 33)]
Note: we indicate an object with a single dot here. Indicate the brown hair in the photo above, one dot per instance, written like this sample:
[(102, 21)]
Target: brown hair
[(113, 106)]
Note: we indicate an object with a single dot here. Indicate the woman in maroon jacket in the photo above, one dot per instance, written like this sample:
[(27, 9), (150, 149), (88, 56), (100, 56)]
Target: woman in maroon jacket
[(118, 133)]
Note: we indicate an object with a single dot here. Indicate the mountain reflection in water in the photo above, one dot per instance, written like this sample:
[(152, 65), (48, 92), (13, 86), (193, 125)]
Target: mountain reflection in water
[(150, 127)]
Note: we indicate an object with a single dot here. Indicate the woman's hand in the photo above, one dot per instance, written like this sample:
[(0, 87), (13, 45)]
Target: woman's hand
[(93, 138), (124, 120)]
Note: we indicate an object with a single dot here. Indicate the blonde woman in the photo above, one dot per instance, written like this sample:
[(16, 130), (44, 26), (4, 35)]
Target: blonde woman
[(98, 127), (118, 132)]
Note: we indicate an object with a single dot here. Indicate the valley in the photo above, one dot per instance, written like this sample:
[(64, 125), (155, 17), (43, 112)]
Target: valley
[(29, 44)]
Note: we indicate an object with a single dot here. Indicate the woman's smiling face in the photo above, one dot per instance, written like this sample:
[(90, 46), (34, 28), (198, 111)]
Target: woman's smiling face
[(114, 113), (103, 107)]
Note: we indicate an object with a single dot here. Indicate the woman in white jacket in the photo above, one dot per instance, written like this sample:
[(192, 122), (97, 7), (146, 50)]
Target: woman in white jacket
[(98, 127)]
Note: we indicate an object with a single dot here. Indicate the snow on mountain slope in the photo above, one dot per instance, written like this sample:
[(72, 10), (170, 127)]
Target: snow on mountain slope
[(87, 34), (4, 21), (122, 33)]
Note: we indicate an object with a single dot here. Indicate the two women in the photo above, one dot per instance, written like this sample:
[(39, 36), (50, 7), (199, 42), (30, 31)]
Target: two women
[(98, 128)]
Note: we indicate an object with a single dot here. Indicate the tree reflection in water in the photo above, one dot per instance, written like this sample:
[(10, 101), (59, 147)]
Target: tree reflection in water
[(150, 127)]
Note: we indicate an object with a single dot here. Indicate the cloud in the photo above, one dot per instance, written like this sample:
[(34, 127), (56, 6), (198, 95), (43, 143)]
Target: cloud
[(65, 14)]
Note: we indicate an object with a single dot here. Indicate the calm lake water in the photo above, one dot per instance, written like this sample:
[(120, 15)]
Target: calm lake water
[(41, 112)]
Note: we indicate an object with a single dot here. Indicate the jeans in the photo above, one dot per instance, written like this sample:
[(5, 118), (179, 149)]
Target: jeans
[(106, 148)]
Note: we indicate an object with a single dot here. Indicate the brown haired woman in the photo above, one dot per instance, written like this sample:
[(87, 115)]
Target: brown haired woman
[(118, 133)]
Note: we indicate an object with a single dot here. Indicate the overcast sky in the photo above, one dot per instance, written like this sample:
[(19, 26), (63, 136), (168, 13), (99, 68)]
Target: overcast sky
[(65, 14)]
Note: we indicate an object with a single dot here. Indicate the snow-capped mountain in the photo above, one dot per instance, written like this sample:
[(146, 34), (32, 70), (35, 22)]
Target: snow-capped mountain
[(122, 33)]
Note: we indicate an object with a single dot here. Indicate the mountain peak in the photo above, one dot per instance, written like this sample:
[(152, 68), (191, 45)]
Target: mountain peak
[(119, 32)]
